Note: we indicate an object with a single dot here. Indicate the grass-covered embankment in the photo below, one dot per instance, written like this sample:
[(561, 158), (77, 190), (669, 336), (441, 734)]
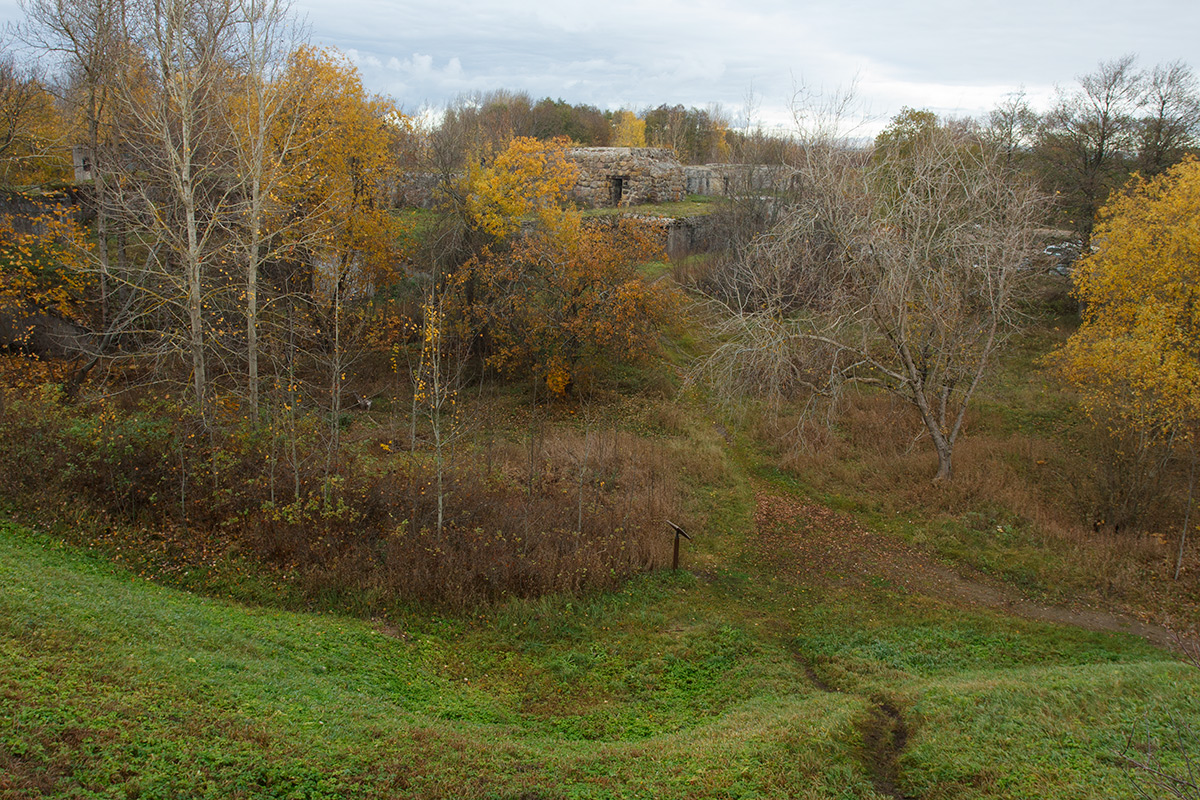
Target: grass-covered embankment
[(732, 683)]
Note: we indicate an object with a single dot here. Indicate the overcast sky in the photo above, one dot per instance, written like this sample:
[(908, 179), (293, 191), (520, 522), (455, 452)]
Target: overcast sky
[(955, 57)]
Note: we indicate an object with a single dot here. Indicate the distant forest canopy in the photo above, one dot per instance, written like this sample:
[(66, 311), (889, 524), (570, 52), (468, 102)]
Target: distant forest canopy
[(1119, 119), (491, 119)]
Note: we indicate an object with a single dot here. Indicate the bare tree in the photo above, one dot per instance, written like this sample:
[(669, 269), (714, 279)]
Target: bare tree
[(265, 127), (1171, 120), (173, 155), (1088, 139), (1011, 127), (437, 380), (87, 35), (897, 270)]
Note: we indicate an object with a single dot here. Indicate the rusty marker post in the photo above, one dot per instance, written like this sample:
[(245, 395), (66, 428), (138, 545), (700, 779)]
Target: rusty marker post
[(678, 532)]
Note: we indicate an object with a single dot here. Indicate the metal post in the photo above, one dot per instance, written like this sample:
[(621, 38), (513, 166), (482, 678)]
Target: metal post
[(678, 532)]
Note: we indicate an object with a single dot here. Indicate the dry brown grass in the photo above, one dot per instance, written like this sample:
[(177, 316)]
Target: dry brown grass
[(1021, 505)]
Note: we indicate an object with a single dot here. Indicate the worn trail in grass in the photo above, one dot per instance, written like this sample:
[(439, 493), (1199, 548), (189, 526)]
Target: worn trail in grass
[(816, 546), (780, 670)]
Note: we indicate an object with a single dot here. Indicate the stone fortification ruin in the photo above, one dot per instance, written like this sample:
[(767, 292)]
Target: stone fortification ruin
[(626, 176), (737, 180), (629, 176)]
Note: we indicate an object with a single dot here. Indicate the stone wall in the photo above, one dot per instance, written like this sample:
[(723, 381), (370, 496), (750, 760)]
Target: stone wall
[(731, 180), (416, 189), (630, 176), (626, 176)]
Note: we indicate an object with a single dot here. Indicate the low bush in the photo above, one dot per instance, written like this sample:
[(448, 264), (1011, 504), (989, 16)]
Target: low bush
[(575, 513)]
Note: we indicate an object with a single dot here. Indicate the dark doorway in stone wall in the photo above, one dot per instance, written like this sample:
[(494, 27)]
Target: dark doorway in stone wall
[(616, 188)]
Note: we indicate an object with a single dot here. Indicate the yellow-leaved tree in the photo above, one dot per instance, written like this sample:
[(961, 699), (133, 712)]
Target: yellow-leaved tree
[(551, 296), (628, 130), (333, 196), (32, 130), (1136, 356), (528, 180), (331, 206)]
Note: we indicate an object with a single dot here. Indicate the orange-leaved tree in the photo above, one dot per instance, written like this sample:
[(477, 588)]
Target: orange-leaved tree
[(1136, 356), (563, 306), (332, 213)]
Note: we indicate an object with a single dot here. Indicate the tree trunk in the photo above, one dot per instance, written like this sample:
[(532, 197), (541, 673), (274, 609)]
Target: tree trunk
[(252, 297)]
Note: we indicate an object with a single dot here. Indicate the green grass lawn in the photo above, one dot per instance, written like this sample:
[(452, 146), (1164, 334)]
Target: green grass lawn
[(694, 205), (729, 683)]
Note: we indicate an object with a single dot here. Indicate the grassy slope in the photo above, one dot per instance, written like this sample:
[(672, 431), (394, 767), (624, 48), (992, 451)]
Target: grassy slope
[(677, 686)]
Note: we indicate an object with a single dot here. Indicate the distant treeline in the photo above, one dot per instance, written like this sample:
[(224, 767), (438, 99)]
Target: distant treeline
[(697, 135)]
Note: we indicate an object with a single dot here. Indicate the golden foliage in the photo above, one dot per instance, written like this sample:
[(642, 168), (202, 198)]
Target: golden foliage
[(628, 130), (333, 200), (32, 132), (41, 264), (1136, 357), (531, 178)]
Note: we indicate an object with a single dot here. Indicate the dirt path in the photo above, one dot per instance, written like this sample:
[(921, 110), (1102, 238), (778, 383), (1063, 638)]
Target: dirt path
[(818, 546)]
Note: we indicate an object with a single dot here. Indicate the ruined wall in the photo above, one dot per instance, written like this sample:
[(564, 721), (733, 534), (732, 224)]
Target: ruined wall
[(629, 176), (731, 180), (416, 189), (626, 176)]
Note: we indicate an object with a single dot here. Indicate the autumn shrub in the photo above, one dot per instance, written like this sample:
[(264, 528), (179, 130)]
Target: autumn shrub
[(513, 528), (124, 461), (579, 511), (31, 422), (149, 461), (40, 264)]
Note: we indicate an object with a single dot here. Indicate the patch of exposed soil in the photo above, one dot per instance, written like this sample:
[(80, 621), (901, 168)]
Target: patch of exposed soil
[(816, 546)]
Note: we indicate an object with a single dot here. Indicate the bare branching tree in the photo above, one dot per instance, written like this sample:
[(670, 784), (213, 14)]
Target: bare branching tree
[(1011, 126), (172, 153), (265, 126), (1088, 136), (1171, 117), (896, 268)]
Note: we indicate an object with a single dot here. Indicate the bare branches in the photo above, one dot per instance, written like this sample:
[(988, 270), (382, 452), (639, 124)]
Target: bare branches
[(1171, 121), (897, 269)]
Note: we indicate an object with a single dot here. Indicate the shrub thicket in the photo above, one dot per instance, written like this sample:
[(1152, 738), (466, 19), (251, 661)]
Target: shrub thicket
[(572, 514)]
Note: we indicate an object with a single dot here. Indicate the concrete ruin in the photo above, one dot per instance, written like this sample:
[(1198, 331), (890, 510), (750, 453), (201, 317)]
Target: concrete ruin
[(737, 180)]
